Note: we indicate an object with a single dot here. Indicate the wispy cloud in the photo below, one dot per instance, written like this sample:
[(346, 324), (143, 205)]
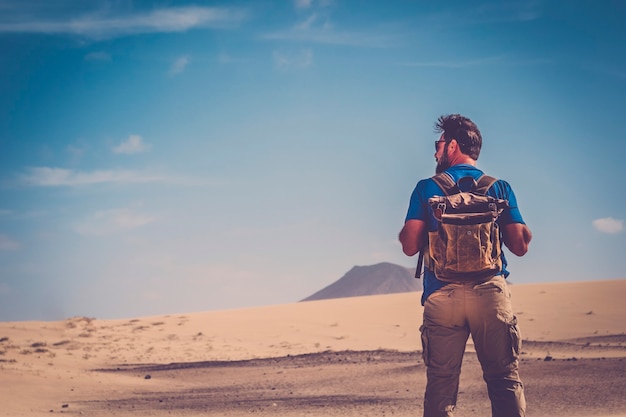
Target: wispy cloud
[(522, 11), (283, 61), (62, 177), (58, 177), (17, 215), (315, 26), (179, 65), (302, 4), (307, 4), (493, 60), (329, 36), (134, 144), (488, 12), (307, 23), (106, 25), (108, 222), (8, 244), (608, 225), (454, 64)]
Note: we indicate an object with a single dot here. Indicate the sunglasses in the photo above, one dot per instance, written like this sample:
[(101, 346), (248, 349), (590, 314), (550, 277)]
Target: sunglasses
[(437, 142)]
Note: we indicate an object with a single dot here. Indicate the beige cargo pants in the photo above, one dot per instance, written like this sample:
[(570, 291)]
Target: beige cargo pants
[(483, 310)]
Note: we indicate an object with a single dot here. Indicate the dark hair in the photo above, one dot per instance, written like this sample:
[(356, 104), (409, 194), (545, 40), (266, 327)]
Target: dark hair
[(466, 133)]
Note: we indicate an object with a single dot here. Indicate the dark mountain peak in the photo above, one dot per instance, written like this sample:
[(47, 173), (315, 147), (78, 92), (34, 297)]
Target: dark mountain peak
[(381, 278)]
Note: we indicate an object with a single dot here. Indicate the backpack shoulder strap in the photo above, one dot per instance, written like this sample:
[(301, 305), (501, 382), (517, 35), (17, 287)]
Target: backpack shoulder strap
[(483, 184), (446, 183)]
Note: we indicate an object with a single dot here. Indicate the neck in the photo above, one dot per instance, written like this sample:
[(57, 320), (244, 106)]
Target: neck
[(462, 159)]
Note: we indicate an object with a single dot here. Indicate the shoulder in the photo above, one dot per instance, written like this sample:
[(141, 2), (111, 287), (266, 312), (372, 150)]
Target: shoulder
[(501, 189), (418, 205), (427, 188)]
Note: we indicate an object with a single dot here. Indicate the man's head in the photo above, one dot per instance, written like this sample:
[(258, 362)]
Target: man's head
[(464, 136)]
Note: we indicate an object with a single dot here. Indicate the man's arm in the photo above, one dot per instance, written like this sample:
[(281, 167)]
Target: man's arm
[(516, 237), (413, 236)]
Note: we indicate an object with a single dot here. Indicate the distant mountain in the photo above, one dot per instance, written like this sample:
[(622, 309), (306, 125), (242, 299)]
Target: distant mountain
[(382, 278)]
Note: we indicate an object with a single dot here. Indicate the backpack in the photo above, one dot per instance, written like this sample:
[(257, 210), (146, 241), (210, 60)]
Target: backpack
[(466, 245)]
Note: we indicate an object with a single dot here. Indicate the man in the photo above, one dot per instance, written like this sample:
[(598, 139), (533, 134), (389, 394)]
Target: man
[(453, 311)]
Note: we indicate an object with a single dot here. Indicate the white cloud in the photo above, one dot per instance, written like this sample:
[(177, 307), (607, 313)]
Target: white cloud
[(7, 244), (179, 65), (608, 225), (108, 222), (303, 59), (55, 177), (99, 25), (134, 144)]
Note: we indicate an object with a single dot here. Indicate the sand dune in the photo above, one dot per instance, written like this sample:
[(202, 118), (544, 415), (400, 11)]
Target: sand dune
[(101, 367)]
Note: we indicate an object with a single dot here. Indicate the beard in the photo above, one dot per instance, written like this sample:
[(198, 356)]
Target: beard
[(443, 163)]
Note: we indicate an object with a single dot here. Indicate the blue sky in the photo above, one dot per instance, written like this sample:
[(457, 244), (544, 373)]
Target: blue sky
[(169, 157)]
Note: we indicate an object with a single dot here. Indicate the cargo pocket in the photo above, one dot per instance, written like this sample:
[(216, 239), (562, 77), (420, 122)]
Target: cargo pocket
[(516, 338), (425, 345)]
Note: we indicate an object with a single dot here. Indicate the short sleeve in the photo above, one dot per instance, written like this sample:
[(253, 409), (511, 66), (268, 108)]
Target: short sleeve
[(418, 209), (502, 189)]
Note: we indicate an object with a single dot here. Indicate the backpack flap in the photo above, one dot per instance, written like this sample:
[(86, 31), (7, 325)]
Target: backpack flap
[(458, 205)]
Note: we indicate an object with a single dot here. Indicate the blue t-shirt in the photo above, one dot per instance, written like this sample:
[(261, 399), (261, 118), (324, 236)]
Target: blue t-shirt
[(419, 209)]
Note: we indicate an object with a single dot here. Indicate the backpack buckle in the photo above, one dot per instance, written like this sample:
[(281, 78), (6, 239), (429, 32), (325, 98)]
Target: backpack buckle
[(441, 208)]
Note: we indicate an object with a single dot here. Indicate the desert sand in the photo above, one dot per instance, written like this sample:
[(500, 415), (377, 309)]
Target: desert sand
[(345, 357)]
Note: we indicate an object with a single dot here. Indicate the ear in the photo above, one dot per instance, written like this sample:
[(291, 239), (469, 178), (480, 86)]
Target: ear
[(453, 145)]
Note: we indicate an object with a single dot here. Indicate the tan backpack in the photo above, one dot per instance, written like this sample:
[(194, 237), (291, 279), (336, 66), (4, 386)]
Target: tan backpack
[(466, 245)]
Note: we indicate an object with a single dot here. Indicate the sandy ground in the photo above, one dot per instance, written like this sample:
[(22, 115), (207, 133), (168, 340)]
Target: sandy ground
[(348, 357)]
